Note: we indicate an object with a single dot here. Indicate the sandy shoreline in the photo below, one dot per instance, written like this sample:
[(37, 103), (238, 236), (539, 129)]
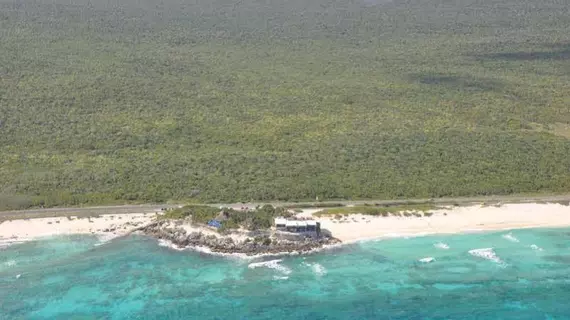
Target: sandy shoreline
[(351, 228), (453, 220), (106, 227)]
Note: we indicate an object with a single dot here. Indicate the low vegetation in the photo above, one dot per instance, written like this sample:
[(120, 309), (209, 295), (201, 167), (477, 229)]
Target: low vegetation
[(314, 205), (258, 219), (402, 210), (199, 214)]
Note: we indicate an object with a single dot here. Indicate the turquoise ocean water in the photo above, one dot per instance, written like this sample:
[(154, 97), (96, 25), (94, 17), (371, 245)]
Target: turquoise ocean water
[(526, 275)]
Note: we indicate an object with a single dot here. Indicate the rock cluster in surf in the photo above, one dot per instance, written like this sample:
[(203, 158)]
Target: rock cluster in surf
[(266, 242)]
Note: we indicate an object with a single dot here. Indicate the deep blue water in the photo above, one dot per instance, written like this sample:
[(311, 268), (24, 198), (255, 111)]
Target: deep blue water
[(528, 277)]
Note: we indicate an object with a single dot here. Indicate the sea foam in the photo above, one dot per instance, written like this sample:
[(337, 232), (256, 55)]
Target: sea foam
[(535, 247), (105, 238), (317, 268), (5, 243), (271, 264), (486, 253), (510, 237), (10, 263), (441, 245), (427, 259), (169, 244), (244, 256)]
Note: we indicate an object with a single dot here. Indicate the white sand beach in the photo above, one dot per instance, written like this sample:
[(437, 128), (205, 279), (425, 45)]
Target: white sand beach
[(349, 229), (107, 226), (453, 220)]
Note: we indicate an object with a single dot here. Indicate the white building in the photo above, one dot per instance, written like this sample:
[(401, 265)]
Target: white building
[(311, 225), (280, 223), (301, 226), (297, 225)]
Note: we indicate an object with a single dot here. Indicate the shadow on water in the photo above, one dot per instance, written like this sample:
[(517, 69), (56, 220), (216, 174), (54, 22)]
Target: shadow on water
[(558, 259), (376, 2), (457, 82), (551, 52)]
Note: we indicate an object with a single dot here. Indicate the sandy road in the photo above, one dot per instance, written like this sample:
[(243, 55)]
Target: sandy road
[(152, 208), (82, 212)]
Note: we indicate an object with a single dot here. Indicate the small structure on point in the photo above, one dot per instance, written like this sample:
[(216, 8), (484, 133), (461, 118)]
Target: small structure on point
[(312, 225), (281, 223), (297, 226), (215, 223), (291, 226)]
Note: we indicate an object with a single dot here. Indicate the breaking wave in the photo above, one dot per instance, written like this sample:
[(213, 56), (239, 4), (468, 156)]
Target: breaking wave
[(5, 243), (10, 263), (510, 237), (168, 244), (271, 264), (317, 268), (535, 247), (441, 245), (488, 254), (104, 238), (427, 259), (244, 256)]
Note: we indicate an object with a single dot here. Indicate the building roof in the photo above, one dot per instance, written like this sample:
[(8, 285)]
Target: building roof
[(291, 223), (311, 223), (280, 221), (215, 223), (301, 223)]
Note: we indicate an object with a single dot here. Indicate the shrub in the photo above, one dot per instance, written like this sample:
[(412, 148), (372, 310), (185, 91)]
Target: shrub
[(200, 214)]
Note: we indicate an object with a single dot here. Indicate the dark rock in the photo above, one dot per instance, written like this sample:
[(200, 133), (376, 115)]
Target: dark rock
[(225, 244)]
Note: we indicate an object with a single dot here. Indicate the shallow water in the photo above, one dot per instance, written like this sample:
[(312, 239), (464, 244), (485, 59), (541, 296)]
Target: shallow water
[(523, 274)]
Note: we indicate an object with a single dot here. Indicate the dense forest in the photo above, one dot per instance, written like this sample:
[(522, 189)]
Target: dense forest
[(107, 101)]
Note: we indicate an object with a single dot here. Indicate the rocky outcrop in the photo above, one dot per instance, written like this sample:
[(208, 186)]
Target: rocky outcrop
[(266, 244)]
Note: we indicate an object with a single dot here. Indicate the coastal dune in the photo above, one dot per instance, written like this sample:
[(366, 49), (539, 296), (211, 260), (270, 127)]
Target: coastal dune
[(450, 220)]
